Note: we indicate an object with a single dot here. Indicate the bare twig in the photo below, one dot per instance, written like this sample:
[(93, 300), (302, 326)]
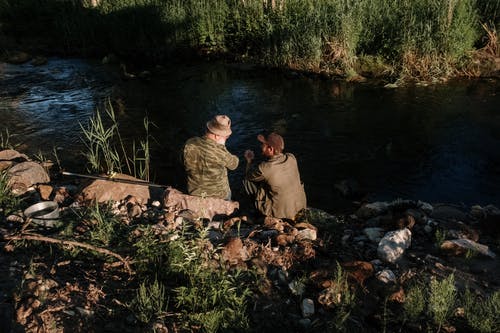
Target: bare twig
[(36, 237)]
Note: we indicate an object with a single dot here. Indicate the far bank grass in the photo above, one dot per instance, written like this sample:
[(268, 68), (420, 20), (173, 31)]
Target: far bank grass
[(407, 38)]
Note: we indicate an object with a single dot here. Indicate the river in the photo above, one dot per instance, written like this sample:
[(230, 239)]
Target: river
[(437, 143)]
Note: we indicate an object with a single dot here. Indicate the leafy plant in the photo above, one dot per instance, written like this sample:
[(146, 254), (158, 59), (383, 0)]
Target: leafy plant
[(421, 38), (141, 160), (56, 157)]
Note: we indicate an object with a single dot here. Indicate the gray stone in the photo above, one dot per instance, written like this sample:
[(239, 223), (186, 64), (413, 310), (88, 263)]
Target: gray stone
[(447, 212), (386, 276), (393, 245), (372, 209), (10, 154), (307, 307), (25, 174), (460, 246), (297, 287)]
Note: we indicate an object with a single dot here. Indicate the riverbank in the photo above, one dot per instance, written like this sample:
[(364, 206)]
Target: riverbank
[(358, 41), (139, 264)]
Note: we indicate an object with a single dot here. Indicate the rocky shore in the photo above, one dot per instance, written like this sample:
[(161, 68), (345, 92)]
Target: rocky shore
[(321, 272)]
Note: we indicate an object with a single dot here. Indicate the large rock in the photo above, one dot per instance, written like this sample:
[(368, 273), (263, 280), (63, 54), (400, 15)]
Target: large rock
[(202, 207), (11, 155), (461, 246), (372, 209), (393, 245), (8, 157), (25, 174), (102, 190), (448, 212)]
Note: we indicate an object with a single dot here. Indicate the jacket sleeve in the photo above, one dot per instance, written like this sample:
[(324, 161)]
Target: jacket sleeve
[(231, 161), (255, 174)]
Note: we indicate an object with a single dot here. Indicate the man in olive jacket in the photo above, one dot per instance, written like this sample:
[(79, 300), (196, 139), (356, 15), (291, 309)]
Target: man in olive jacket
[(275, 184), (206, 160)]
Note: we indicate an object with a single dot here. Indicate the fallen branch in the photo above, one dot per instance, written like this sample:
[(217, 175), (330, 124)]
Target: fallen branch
[(36, 237)]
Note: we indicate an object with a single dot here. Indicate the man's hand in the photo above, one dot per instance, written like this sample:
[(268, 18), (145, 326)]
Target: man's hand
[(249, 156)]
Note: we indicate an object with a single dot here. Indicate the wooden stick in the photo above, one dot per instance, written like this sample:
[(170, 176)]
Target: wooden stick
[(36, 237)]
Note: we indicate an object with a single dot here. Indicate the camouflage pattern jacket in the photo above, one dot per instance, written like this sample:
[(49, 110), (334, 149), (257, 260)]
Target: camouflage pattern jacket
[(280, 191), (206, 163)]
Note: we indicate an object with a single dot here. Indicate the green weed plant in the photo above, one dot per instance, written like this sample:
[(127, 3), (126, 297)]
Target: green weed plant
[(482, 314), (442, 299), (414, 304), (105, 227), (150, 301)]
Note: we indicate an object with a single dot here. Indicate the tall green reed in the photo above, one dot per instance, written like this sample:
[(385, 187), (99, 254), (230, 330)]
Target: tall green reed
[(106, 150)]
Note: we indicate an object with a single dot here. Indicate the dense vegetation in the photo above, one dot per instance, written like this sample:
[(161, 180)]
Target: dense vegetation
[(410, 38)]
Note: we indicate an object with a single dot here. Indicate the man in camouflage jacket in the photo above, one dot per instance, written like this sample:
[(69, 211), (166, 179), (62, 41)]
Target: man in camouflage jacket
[(206, 160)]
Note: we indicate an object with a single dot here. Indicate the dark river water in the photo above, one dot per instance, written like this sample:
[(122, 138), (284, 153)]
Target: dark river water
[(437, 143)]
